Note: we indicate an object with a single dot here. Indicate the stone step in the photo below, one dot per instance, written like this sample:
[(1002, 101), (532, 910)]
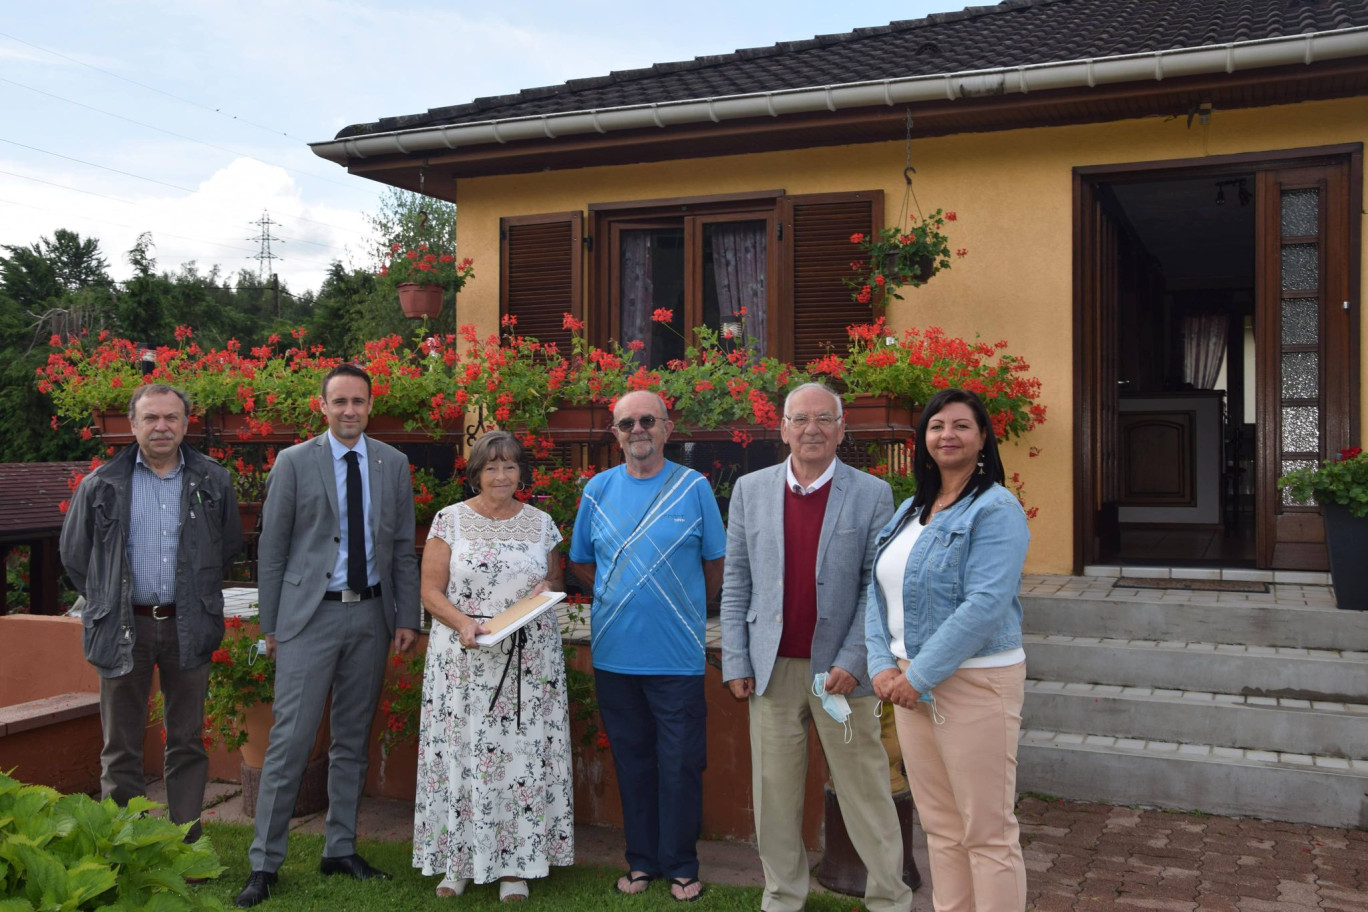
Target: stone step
[(1251, 623), (1268, 671), (1322, 728), (1298, 787)]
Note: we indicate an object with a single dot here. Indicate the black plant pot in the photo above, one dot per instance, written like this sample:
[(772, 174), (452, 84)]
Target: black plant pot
[(1346, 537)]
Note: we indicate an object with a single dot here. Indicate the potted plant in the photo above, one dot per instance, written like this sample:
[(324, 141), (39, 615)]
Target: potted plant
[(910, 368), (421, 275), (238, 714), (721, 381), (1340, 486), (897, 256)]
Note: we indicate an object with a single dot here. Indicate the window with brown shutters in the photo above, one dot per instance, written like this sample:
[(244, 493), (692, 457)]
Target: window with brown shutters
[(540, 273), (663, 254), (820, 226)]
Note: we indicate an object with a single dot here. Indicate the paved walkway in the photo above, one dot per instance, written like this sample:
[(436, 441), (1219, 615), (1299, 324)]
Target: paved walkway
[(1080, 857)]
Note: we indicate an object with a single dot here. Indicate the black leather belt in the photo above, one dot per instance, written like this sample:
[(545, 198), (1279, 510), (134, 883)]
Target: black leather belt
[(348, 595), (156, 612)]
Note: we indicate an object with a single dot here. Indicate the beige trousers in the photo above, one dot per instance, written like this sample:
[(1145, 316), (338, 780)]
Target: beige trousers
[(963, 775), (859, 775)]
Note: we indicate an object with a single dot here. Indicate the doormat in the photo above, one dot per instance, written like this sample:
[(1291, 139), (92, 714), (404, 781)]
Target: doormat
[(1145, 582)]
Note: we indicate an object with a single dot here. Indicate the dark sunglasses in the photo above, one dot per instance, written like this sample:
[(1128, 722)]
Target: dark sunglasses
[(646, 421)]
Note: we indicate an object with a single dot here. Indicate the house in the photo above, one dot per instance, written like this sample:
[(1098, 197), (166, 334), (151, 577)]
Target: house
[(1160, 203)]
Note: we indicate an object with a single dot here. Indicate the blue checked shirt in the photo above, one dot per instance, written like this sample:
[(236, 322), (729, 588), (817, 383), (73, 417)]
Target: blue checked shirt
[(153, 533)]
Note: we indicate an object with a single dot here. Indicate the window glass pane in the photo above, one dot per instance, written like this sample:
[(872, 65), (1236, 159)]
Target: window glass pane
[(1300, 267), (1300, 213), (1289, 465), (651, 278), (1286, 495), (1300, 321), (1300, 375), (734, 258), (1300, 429)]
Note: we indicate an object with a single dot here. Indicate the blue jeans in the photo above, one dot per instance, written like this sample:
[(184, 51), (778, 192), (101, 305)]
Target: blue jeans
[(656, 725)]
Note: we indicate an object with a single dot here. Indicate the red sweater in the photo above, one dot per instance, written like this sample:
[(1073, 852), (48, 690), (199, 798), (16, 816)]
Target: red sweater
[(803, 515)]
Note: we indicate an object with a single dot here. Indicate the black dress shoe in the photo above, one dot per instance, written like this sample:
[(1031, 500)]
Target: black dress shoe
[(352, 866), (258, 889)]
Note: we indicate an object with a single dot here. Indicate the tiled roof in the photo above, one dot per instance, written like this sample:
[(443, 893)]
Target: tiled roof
[(30, 493), (1012, 33)]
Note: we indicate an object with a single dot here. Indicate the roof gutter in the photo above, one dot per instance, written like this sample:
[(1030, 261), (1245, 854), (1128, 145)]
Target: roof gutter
[(1156, 66)]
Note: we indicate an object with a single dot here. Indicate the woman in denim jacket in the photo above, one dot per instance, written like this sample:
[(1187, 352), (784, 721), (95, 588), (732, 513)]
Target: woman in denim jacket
[(943, 632)]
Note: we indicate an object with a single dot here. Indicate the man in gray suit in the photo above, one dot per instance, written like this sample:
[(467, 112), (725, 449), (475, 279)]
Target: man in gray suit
[(800, 549), (338, 582)]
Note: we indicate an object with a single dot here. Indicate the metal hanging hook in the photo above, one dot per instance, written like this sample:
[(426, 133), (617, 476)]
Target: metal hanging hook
[(422, 177)]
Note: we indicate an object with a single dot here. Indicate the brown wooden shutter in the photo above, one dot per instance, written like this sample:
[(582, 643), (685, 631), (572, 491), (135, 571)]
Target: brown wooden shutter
[(540, 273), (820, 253)]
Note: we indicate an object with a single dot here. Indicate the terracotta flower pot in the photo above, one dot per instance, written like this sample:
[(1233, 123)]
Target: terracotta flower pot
[(877, 417), (417, 301)]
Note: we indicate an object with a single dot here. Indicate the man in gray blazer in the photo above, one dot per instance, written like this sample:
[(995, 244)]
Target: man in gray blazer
[(337, 584), (800, 549)]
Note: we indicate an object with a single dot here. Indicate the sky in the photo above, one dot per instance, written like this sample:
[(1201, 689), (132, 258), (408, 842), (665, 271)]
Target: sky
[(191, 119)]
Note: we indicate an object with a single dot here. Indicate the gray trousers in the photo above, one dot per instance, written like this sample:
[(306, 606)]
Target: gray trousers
[(123, 717), (343, 649)]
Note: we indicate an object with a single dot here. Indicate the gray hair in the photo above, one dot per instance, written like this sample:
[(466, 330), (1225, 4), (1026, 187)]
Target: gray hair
[(156, 389), (813, 385)]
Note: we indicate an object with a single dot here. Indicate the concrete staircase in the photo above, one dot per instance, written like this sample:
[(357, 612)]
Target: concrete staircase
[(1250, 709)]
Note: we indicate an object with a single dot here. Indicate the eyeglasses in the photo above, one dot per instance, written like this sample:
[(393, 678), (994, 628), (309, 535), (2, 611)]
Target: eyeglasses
[(646, 421), (824, 421)]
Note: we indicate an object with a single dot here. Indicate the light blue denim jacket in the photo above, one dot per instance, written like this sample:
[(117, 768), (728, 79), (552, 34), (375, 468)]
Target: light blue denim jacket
[(960, 587)]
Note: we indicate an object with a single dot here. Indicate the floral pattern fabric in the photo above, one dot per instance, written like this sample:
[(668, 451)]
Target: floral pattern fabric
[(494, 799)]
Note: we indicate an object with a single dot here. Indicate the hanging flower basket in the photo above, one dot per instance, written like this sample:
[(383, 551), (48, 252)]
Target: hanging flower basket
[(898, 256), (420, 301)]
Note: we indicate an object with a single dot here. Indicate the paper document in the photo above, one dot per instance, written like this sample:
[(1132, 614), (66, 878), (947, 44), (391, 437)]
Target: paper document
[(518, 615)]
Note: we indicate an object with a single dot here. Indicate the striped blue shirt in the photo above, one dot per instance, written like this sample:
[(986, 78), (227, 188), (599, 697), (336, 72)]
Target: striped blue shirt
[(154, 520), (648, 539)]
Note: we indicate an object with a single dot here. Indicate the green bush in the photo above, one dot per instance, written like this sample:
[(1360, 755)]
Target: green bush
[(70, 852)]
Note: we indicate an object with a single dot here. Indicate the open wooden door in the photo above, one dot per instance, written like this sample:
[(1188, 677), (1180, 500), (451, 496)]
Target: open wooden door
[(1097, 462), (1305, 330)]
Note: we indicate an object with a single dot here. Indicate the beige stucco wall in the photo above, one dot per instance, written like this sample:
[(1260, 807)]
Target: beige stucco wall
[(1013, 195)]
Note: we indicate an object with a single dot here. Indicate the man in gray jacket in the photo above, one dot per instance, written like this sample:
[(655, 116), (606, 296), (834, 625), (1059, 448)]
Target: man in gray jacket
[(800, 539), (148, 540), (338, 584)]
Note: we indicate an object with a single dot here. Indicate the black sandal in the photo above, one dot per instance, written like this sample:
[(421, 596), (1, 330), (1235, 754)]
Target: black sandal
[(684, 883), (640, 878)]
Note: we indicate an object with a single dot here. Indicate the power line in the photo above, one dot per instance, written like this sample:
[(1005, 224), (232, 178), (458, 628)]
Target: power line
[(150, 180), (92, 218), (80, 104), (248, 255), (130, 202), (149, 88), (39, 180)]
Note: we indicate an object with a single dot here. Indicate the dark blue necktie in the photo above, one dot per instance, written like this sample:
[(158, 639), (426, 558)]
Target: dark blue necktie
[(356, 526)]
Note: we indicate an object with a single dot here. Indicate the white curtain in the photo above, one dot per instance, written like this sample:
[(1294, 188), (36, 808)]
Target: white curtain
[(1204, 347), (638, 286), (738, 260)]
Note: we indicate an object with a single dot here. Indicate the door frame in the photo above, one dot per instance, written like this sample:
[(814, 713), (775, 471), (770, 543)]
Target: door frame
[(1087, 397)]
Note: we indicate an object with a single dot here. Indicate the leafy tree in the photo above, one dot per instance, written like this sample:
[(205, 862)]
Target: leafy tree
[(78, 263), (410, 219)]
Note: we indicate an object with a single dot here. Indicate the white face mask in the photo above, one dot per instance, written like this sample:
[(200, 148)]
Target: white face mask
[(834, 704)]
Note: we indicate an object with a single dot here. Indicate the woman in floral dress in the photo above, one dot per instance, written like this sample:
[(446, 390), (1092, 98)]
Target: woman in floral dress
[(494, 797)]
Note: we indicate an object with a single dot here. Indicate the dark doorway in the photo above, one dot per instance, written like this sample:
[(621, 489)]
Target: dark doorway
[(1216, 348), (1184, 336)]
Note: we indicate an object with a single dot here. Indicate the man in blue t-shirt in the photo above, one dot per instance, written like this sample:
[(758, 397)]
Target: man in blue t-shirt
[(649, 540)]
